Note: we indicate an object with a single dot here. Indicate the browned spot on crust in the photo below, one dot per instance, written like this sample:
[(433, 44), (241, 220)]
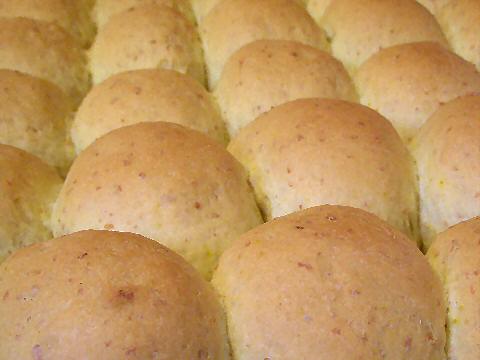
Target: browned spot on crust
[(305, 265)]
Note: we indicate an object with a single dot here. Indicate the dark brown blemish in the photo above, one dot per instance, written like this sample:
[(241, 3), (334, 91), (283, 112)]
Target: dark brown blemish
[(305, 265), (82, 256), (198, 206), (128, 295), (300, 227)]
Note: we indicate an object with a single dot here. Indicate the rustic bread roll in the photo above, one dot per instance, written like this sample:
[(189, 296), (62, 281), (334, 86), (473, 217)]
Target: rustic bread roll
[(447, 151), (148, 36), (359, 28), (28, 189), (267, 73), (44, 50), (105, 9), (235, 23), (73, 16), (407, 83), (455, 257), (163, 181), (35, 116), (142, 96), (317, 151), (106, 295), (330, 282), (460, 20)]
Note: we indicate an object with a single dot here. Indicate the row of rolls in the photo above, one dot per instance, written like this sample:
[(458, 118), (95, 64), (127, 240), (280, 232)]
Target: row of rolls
[(193, 122)]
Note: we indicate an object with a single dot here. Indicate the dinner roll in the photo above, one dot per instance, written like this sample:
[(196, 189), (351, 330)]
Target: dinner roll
[(105, 9), (106, 295), (455, 256), (407, 83), (317, 151), (163, 181), (234, 23), (35, 116), (28, 189), (447, 151), (146, 95), (148, 36), (330, 282), (359, 28), (44, 50), (73, 16), (267, 73), (460, 19)]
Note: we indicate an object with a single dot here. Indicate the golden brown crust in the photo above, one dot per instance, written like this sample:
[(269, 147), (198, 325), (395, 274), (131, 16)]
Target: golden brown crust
[(143, 96), (234, 23), (106, 295), (166, 182), (267, 73), (447, 151), (145, 37), (28, 189), (455, 256), (330, 283), (407, 83), (317, 151)]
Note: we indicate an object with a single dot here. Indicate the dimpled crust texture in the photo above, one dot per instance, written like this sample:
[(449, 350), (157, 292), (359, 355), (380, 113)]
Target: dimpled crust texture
[(105, 9), (235, 23), (359, 28), (73, 16), (447, 151), (407, 83), (460, 20), (330, 283), (144, 37), (106, 295), (35, 117), (143, 96), (163, 181), (267, 73), (317, 151), (28, 189), (51, 54), (455, 256)]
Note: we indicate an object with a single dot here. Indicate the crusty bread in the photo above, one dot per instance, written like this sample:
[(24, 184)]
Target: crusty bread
[(106, 295), (447, 151), (455, 256), (44, 50), (359, 28), (235, 23), (144, 37), (330, 282), (407, 83), (267, 73), (28, 189), (142, 96), (164, 181), (35, 116), (460, 20)]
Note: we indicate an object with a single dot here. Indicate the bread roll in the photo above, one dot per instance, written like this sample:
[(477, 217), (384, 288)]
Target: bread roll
[(267, 73), (317, 151), (146, 95), (144, 37), (455, 257), (407, 83), (163, 181), (460, 19), (28, 189), (447, 151), (359, 28), (73, 16), (330, 283), (44, 50), (235, 23), (106, 295), (105, 9), (35, 116)]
